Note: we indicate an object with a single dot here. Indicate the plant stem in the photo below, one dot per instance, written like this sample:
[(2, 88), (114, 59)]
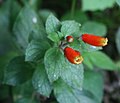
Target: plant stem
[(73, 8)]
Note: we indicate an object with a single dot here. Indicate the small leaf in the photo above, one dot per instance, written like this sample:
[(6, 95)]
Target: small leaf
[(70, 28), (94, 28), (52, 24), (57, 66), (17, 71), (26, 23), (102, 61), (66, 94), (93, 82), (41, 82), (36, 50), (54, 37), (118, 2), (93, 5), (118, 39)]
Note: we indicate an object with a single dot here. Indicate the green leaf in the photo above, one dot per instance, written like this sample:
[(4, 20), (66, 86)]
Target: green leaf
[(44, 13), (52, 61), (17, 71), (41, 82), (83, 47), (54, 37), (36, 50), (25, 100), (4, 59), (93, 82), (28, 23), (94, 28), (66, 94), (101, 60), (52, 24), (118, 2), (94, 5), (87, 60), (118, 40), (57, 66), (78, 16), (70, 28), (24, 90)]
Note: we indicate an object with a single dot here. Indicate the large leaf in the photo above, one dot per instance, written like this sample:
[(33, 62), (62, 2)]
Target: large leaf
[(87, 60), (52, 24), (78, 16), (36, 50), (93, 5), (101, 60), (26, 100), (44, 13), (66, 94), (70, 28), (93, 82), (57, 66), (17, 71), (118, 40), (28, 23), (94, 28), (25, 90), (41, 82)]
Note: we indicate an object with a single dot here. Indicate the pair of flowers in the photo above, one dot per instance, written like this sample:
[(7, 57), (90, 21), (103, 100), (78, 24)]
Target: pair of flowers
[(74, 56)]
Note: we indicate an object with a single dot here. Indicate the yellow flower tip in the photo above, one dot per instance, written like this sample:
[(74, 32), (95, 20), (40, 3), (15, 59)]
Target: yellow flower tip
[(78, 60), (105, 41)]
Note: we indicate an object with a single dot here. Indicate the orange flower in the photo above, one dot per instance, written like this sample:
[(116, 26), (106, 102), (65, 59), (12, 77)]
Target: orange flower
[(69, 39), (73, 56), (94, 40)]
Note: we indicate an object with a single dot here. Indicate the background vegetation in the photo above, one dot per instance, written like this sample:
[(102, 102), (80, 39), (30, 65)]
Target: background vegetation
[(23, 29)]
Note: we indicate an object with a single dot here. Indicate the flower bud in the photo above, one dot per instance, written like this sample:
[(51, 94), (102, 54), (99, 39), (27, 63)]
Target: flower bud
[(94, 40), (69, 39), (73, 56)]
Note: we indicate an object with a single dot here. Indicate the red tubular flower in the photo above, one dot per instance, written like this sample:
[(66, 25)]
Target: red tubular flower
[(94, 40), (73, 56), (69, 39)]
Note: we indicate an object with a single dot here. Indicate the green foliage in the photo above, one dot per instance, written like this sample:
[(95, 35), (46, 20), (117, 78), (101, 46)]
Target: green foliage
[(15, 72), (93, 82), (52, 24), (99, 59), (66, 94), (42, 70), (56, 66), (93, 5), (70, 28), (94, 28), (78, 16), (118, 2), (36, 50), (118, 40), (28, 23), (41, 82), (45, 13), (25, 100)]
